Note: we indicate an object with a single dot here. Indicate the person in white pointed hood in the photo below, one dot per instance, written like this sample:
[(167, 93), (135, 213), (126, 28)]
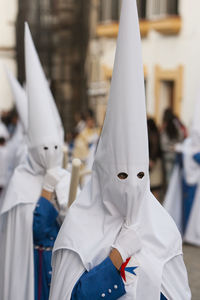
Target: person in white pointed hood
[(17, 145), (116, 223), (185, 184), (28, 213), (4, 160)]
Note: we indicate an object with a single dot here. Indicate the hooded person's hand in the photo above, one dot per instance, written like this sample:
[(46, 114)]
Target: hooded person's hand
[(128, 241), (52, 178)]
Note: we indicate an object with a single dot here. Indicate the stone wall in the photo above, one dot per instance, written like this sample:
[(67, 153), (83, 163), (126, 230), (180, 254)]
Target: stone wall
[(60, 29)]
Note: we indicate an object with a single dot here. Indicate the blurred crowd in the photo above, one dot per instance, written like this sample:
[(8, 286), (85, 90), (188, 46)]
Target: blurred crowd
[(11, 146), (82, 141), (162, 150)]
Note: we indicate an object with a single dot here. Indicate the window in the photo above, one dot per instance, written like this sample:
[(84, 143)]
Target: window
[(158, 9), (142, 8), (109, 10)]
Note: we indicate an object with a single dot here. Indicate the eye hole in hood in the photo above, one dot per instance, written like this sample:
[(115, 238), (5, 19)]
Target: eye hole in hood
[(140, 175), (122, 175)]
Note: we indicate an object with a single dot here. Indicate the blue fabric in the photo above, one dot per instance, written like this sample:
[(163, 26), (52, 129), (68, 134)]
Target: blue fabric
[(92, 285), (97, 283), (188, 200), (162, 297), (188, 192), (45, 230), (196, 157)]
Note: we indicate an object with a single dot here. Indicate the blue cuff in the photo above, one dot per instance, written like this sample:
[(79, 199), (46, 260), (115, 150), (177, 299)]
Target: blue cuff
[(102, 282), (196, 157)]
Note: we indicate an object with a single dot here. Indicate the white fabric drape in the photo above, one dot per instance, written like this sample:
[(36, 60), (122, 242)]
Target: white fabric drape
[(93, 222)]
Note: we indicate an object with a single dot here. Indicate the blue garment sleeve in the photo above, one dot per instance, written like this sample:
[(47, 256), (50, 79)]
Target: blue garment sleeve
[(102, 282), (44, 218), (197, 157)]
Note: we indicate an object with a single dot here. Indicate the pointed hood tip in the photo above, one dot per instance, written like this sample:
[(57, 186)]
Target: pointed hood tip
[(26, 26), (40, 102), (124, 134)]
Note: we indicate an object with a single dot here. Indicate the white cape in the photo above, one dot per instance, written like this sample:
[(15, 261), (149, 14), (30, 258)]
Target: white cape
[(155, 253)]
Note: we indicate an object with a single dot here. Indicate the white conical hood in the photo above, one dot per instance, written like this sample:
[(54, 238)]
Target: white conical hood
[(119, 189), (109, 200), (20, 99), (43, 126), (57, 118), (124, 139)]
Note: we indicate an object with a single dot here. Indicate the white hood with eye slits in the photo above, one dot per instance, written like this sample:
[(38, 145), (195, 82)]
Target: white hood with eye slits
[(44, 136), (95, 219), (42, 122), (24, 189), (44, 133)]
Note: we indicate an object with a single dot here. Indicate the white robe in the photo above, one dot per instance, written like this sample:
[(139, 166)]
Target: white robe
[(16, 252), (16, 247)]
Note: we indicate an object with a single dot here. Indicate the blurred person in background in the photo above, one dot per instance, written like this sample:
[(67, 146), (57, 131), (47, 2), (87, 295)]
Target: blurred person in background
[(70, 138), (80, 122), (85, 142), (171, 134), (4, 136), (184, 186), (155, 159), (10, 119)]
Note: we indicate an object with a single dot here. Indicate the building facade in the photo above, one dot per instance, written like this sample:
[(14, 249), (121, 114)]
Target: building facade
[(60, 29), (8, 13), (171, 46), (170, 40)]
